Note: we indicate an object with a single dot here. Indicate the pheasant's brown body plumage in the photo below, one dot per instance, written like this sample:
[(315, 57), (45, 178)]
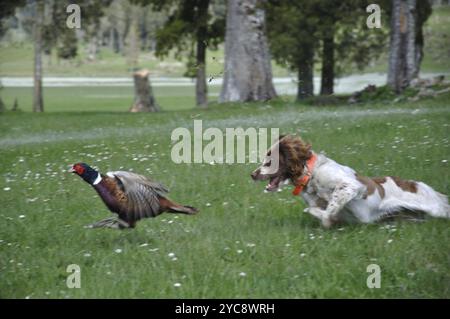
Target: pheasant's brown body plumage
[(130, 195)]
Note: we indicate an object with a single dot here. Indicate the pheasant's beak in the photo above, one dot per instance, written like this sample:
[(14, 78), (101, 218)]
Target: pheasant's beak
[(71, 170)]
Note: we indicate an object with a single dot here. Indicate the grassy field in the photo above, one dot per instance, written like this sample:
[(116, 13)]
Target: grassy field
[(104, 99), (243, 243)]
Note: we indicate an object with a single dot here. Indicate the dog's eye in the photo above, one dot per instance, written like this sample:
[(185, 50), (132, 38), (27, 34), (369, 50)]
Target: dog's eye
[(268, 163)]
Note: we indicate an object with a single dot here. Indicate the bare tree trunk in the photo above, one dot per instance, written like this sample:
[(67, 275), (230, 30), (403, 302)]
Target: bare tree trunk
[(403, 58), (143, 95), (38, 103), (2, 105), (132, 41), (201, 89), (248, 72), (327, 78), (93, 47), (306, 77)]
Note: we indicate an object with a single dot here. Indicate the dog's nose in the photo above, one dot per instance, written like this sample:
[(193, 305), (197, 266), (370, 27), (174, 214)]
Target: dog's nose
[(254, 175)]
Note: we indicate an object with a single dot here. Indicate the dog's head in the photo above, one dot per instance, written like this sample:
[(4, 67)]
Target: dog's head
[(284, 162)]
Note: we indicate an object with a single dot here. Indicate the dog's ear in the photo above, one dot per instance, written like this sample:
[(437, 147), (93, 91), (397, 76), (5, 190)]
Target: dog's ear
[(295, 152)]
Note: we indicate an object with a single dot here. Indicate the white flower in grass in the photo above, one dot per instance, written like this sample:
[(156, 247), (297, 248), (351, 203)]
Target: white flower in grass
[(302, 255), (174, 259), (171, 255), (118, 250), (239, 251), (87, 255), (7, 189), (177, 284), (251, 245), (208, 204), (143, 245), (21, 216), (389, 241), (444, 161), (242, 274)]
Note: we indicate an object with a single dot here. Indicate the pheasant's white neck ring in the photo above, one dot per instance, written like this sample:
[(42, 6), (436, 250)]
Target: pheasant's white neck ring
[(97, 180)]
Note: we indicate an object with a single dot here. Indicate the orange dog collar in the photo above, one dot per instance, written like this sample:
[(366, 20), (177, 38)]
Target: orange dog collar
[(303, 181)]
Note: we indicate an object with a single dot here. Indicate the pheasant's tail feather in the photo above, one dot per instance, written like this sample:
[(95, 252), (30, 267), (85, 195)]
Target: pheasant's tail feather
[(183, 209), (168, 205)]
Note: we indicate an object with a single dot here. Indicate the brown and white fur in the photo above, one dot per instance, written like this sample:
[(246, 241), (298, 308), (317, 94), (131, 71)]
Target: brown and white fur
[(336, 193)]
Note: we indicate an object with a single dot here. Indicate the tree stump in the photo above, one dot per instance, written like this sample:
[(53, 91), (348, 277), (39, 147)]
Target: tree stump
[(143, 95)]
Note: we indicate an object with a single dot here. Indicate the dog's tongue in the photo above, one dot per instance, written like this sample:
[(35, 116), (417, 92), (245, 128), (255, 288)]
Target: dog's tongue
[(273, 184)]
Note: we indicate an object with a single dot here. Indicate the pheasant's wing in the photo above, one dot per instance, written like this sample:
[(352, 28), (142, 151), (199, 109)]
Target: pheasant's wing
[(142, 194)]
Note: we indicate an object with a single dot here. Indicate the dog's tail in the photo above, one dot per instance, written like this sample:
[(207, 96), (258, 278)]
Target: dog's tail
[(423, 198)]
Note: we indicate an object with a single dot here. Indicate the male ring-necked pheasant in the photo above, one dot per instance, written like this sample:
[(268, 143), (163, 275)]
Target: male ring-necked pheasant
[(131, 196)]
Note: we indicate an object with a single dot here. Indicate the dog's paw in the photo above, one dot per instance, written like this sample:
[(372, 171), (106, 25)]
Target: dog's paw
[(327, 223), (316, 212)]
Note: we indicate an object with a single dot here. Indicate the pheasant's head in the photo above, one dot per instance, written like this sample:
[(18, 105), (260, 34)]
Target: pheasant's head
[(85, 172)]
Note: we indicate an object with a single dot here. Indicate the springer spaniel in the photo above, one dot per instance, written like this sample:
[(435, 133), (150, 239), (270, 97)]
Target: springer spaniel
[(336, 193)]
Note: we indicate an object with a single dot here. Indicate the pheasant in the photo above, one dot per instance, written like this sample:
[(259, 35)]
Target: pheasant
[(131, 196)]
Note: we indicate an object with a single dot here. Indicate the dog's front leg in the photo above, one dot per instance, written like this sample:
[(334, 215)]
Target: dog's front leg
[(342, 194)]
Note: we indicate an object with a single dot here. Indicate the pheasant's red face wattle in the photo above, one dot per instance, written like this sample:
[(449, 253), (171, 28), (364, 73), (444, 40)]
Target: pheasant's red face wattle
[(79, 169)]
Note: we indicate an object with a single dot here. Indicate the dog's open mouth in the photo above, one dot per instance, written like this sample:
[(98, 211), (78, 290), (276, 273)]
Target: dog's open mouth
[(273, 184)]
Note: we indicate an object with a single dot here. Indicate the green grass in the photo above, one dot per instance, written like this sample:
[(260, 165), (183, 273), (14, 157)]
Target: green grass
[(82, 99), (239, 229), (17, 60)]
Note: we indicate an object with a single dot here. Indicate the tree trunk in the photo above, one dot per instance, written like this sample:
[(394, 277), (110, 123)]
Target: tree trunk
[(306, 77), (132, 41), (248, 72), (143, 95), (116, 41), (2, 105), (403, 58), (93, 47), (201, 89), (38, 103), (327, 78)]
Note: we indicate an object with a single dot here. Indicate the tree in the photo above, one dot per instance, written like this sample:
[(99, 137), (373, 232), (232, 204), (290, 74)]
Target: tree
[(406, 41), (7, 9), (334, 32), (345, 38), (192, 26), (38, 103), (248, 72), (291, 29)]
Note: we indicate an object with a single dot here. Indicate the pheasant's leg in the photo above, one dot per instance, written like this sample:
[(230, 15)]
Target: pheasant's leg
[(111, 222)]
